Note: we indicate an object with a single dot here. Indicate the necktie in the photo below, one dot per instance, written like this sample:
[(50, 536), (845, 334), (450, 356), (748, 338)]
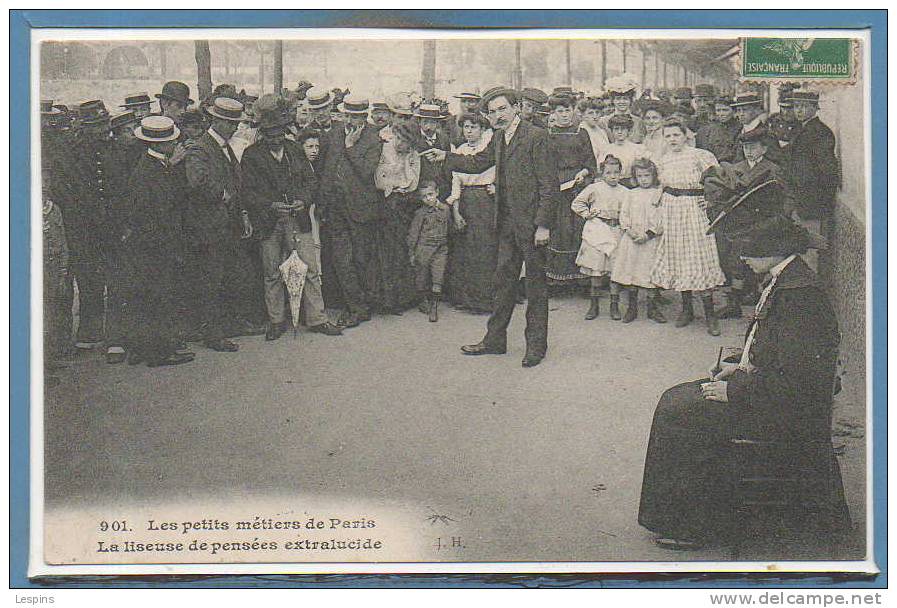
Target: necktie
[(230, 153)]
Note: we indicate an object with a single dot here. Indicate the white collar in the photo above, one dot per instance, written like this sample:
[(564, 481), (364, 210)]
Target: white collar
[(754, 163), (776, 270), (512, 128), (157, 155), (278, 156), (221, 141)]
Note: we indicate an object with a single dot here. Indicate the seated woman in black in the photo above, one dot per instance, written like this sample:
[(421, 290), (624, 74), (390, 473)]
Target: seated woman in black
[(778, 390)]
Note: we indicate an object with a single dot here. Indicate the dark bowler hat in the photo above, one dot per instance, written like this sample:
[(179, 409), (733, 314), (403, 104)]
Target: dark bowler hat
[(747, 99), (124, 119), (176, 91), (353, 104), (683, 93), (773, 236), (429, 110), (136, 99), (226, 108), (473, 96), (803, 96), (157, 129), (705, 90), (501, 91), (48, 109), (92, 112), (758, 133), (537, 96)]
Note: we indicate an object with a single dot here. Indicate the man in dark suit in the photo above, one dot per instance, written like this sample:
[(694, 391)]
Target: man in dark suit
[(279, 203), (527, 190), (352, 204), (213, 176), (813, 168)]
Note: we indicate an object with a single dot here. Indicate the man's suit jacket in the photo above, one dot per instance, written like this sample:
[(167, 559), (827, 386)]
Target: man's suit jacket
[(526, 177), (348, 174), (210, 173), (266, 180), (814, 169)]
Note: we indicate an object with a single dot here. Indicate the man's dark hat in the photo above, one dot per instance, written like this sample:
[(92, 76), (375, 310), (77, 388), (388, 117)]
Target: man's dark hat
[(747, 99), (658, 105), (724, 101), (177, 91), (683, 93), (500, 91), (124, 119), (764, 196), (48, 109), (705, 90), (620, 120), (472, 96), (92, 112), (136, 99), (803, 96), (536, 96), (192, 117)]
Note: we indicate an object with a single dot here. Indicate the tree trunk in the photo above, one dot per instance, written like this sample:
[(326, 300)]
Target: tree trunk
[(278, 66), (203, 68), (428, 70)]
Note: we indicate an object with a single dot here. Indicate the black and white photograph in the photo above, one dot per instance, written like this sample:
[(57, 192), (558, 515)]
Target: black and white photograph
[(449, 301)]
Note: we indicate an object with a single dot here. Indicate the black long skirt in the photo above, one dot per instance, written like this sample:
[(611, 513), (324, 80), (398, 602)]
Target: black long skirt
[(474, 253), (692, 468)]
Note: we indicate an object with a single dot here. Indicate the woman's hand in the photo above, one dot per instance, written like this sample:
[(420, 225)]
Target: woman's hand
[(460, 222), (715, 391)]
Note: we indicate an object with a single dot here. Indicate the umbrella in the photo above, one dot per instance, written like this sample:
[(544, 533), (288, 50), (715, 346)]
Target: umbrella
[(293, 272)]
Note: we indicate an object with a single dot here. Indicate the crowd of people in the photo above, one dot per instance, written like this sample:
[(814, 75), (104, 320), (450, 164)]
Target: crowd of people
[(173, 221)]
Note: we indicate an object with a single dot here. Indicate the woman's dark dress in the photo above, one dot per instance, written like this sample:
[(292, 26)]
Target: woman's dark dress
[(390, 280), (572, 149), (689, 480), (474, 251)]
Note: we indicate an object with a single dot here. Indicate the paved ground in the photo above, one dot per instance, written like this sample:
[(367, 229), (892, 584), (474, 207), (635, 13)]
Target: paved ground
[(539, 464)]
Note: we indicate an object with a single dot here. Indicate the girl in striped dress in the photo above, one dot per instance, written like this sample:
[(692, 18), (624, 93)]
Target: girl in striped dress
[(687, 259)]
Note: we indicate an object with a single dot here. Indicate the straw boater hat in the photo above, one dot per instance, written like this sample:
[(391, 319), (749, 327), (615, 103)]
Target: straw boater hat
[(226, 108), (317, 98), (157, 129), (176, 91), (747, 99), (429, 110), (353, 104), (136, 99), (92, 112), (510, 94), (400, 104), (48, 109), (472, 96)]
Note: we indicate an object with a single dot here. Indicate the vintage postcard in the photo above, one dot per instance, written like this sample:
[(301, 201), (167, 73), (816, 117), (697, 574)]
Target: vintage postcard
[(383, 300)]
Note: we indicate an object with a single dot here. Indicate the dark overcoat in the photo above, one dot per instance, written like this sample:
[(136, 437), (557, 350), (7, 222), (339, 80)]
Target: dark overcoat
[(688, 485), (814, 169), (348, 174), (210, 173), (266, 180)]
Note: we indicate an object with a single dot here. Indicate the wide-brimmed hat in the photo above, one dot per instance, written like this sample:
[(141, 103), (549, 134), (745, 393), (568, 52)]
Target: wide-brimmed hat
[(747, 99), (48, 109), (92, 112), (317, 98), (353, 104), (177, 91), (157, 129), (136, 99), (773, 236), (429, 110), (123, 119), (226, 108)]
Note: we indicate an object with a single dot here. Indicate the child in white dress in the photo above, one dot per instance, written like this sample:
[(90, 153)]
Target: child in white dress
[(599, 204), (622, 146), (641, 222)]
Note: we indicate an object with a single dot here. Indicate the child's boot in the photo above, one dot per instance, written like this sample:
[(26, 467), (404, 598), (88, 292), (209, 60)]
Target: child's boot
[(424, 304), (632, 310), (710, 315), (593, 309), (615, 306), (434, 308), (654, 311), (688, 312), (732, 309)]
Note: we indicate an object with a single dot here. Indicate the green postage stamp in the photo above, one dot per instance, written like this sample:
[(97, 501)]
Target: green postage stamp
[(821, 59)]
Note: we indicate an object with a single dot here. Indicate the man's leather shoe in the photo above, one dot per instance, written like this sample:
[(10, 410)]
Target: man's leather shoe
[(172, 359), (348, 320), (532, 360), (273, 331), (328, 329), (245, 327), (223, 346), (481, 348)]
